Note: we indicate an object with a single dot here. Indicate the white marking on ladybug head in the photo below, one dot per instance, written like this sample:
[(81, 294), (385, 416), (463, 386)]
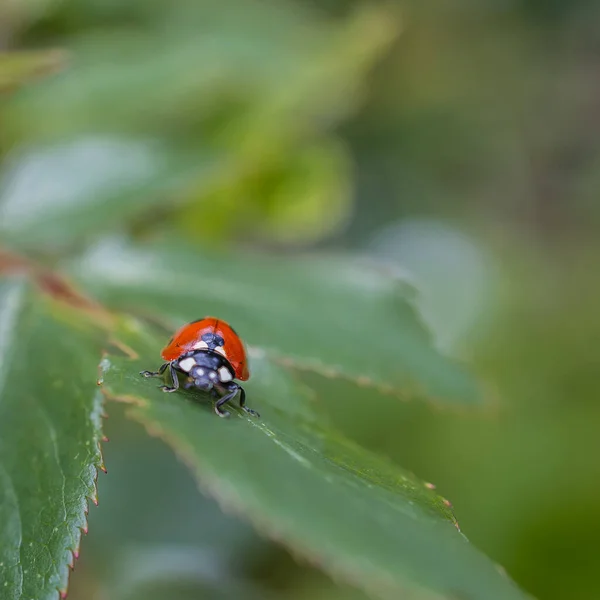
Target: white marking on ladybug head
[(186, 364), (220, 350), (225, 374), (200, 346)]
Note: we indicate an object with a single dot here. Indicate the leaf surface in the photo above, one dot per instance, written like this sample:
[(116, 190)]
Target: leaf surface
[(335, 315), (50, 413), (345, 509)]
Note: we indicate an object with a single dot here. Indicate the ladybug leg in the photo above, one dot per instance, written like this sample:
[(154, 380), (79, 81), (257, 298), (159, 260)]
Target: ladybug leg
[(174, 379), (155, 373), (243, 403), (233, 389), (223, 400)]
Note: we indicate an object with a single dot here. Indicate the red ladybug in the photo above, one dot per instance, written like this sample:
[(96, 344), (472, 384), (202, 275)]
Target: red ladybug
[(211, 354)]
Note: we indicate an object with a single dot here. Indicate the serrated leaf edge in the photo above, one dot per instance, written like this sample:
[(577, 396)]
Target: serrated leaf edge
[(93, 497)]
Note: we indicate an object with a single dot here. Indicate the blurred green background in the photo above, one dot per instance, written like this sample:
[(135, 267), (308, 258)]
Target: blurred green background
[(456, 140)]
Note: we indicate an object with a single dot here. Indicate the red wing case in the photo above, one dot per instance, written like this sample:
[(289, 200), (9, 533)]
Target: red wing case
[(189, 338)]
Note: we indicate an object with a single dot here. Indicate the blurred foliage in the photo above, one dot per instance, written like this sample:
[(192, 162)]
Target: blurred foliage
[(18, 68), (465, 148), (194, 85)]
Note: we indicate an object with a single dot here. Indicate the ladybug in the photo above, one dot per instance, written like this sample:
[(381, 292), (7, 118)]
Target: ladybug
[(212, 355)]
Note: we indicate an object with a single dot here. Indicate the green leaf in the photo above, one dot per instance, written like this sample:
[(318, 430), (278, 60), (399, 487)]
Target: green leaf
[(174, 514), (55, 195), (49, 441), (280, 67), (330, 501), (154, 529), (335, 315)]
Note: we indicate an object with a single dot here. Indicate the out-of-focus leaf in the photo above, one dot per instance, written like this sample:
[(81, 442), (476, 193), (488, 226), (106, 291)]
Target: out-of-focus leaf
[(59, 194), (186, 586), (310, 197), (177, 573), (297, 198), (285, 71), (317, 586), (326, 85), (49, 441), (148, 571), (228, 78), (19, 68), (334, 315), (17, 15), (335, 503), (255, 82)]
